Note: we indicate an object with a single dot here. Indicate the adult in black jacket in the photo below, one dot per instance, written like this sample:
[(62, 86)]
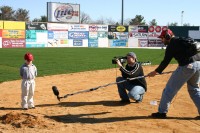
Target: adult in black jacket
[(188, 71), (136, 87)]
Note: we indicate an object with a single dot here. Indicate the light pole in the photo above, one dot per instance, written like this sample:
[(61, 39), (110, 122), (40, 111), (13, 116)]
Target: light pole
[(122, 21), (182, 18)]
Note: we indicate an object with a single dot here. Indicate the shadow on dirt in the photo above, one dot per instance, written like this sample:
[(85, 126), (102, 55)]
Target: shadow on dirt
[(4, 108), (78, 104), (90, 118)]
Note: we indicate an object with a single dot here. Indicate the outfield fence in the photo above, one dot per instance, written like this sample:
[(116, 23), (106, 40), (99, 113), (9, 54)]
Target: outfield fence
[(14, 34)]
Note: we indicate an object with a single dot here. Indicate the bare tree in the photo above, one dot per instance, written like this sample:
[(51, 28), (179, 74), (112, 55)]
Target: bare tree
[(126, 21), (84, 18), (21, 15), (110, 21), (101, 20)]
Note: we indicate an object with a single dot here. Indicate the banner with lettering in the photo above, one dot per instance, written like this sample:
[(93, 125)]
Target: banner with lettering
[(63, 12), (138, 36), (153, 33), (13, 38), (78, 38), (98, 36), (36, 38), (58, 39), (118, 36), (36, 26)]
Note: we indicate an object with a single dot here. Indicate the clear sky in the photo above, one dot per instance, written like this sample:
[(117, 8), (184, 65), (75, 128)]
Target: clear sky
[(164, 11)]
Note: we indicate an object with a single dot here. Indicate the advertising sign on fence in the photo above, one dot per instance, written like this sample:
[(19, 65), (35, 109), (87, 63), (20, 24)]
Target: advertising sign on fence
[(98, 36), (75, 38), (57, 26), (153, 33), (13, 34), (93, 39), (58, 39), (13, 43), (78, 27), (103, 39), (36, 26), (138, 36), (14, 25), (118, 36), (13, 38), (0, 38), (36, 38), (93, 43)]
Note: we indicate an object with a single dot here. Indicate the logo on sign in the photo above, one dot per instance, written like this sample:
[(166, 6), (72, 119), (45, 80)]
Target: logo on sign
[(121, 28), (78, 35), (6, 43), (65, 12), (93, 28)]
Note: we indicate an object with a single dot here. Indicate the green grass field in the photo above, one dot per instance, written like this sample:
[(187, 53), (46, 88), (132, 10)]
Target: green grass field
[(51, 61)]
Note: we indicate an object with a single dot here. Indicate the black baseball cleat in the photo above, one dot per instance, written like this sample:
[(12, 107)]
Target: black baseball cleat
[(159, 115)]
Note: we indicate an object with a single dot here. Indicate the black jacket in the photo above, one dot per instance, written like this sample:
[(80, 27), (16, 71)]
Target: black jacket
[(134, 71), (174, 50)]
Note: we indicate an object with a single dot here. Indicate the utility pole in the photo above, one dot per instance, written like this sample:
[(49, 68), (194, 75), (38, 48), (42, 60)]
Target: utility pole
[(182, 18), (122, 21)]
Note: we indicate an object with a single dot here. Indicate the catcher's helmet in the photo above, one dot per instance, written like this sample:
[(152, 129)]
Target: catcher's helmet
[(28, 57)]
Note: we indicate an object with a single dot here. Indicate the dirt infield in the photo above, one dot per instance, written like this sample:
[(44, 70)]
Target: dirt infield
[(97, 111)]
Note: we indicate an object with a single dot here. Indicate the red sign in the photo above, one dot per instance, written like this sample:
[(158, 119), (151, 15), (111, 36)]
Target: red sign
[(13, 43)]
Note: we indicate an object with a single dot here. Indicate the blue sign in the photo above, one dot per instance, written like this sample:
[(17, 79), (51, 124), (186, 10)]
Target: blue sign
[(93, 43), (118, 43), (50, 35), (78, 35), (77, 42)]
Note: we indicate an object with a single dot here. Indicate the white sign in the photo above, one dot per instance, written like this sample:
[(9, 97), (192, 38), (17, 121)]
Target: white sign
[(78, 27), (63, 12), (57, 26)]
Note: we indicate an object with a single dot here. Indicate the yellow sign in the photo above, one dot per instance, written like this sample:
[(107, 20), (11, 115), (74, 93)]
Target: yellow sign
[(14, 25), (17, 34), (121, 28), (1, 24)]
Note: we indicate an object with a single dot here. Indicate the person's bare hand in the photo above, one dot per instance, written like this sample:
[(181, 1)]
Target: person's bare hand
[(119, 63), (152, 74)]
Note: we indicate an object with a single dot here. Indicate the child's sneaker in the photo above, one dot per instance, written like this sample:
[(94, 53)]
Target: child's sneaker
[(25, 108)]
